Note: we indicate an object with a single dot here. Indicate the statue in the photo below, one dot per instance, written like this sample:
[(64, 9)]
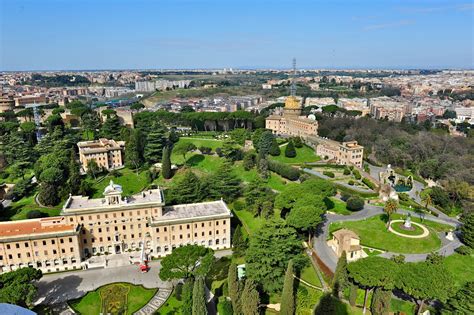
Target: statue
[(407, 223)]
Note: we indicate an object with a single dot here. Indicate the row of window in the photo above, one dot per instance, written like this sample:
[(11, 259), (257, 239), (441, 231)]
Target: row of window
[(36, 253), (35, 243), (114, 215)]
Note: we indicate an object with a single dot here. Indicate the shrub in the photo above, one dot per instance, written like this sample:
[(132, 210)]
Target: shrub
[(22, 189), (463, 250), (205, 150), (290, 151), (284, 170), (345, 196), (34, 214), (225, 306), (347, 171), (178, 291), (366, 168), (219, 152), (297, 142), (351, 182), (329, 174), (356, 174), (239, 205), (368, 183), (355, 203)]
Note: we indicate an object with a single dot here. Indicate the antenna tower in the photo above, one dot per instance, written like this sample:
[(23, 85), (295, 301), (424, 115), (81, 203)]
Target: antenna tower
[(293, 84)]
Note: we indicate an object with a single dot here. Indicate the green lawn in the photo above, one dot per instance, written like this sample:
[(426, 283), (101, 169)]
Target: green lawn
[(19, 209), (461, 267), (250, 223), (309, 275), (275, 181), (129, 180), (171, 306), (211, 143), (204, 163), (339, 207), (303, 155), (373, 233), (91, 303)]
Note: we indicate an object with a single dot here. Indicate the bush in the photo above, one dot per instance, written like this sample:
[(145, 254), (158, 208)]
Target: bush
[(355, 203), (284, 170), (225, 306), (297, 142), (345, 196), (205, 150), (35, 214), (290, 151), (351, 182), (356, 174), (178, 291), (239, 205), (463, 250), (329, 174), (368, 183), (347, 171), (22, 189)]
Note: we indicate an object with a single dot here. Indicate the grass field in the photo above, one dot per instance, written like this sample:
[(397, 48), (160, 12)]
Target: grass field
[(135, 296), (19, 209), (462, 268), (129, 180), (303, 155), (309, 275), (339, 207), (373, 233)]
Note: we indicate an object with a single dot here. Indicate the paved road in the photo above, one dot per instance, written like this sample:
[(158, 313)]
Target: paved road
[(326, 254)]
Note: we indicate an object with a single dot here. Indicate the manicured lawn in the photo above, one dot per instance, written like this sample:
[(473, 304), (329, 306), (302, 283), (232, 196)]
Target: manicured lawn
[(171, 306), (275, 181), (211, 143), (129, 180), (204, 163), (373, 233), (19, 209), (339, 207), (461, 267), (250, 223), (309, 275), (303, 155), (134, 296)]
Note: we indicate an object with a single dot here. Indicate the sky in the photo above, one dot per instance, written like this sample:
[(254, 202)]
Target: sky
[(191, 34)]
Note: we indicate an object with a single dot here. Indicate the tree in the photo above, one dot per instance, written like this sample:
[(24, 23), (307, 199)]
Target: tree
[(467, 228), (275, 148), (234, 288), (306, 214), (48, 195), (137, 106), (297, 142), (199, 297), (290, 150), (92, 168), (426, 199), (265, 142), (187, 296), (111, 127), (434, 258), (155, 142), (74, 181), (373, 272), (288, 293), (183, 148), (262, 167), (269, 253), (390, 208), (166, 163), (257, 134), (250, 298), (340, 279), (463, 301), (224, 183), (249, 161), (355, 203), (186, 189), (381, 301), (134, 150), (18, 287), (186, 261), (239, 244), (425, 281), (256, 195)]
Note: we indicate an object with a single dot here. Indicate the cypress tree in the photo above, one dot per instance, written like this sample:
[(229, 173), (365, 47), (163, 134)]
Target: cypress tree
[(288, 294), (133, 150), (233, 286), (199, 297), (250, 298), (74, 182), (156, 140), (340, 276), (239, 245), (166, 163), (265, 142), (353, 294), (262, 168), (275, 148), (187, 296), (290, 150)]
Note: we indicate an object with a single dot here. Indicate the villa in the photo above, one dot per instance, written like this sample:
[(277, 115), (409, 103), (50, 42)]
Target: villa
[(345, 240)]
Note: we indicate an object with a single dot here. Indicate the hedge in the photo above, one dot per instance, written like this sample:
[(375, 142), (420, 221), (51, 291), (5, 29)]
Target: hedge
[(356, 174), (355, 192), (284, 170), (329, 174), (368, 183)]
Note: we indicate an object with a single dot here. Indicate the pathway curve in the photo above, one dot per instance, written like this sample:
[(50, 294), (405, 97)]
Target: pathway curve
[(327, 255), (156, 301)]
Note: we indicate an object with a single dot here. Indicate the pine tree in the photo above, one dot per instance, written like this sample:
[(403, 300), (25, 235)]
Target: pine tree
[(340, 276), (199, 297), (74, 182), (155, 143), (250, 298), (249, 161), (265, 142), (186, 189), (239, 245), (224, 183), (290, 151), (134, 150), (187, 296), (262, 168), (48, 195), (111, 128), (288, 294), (234, 288), (166, 163), (275, 148)]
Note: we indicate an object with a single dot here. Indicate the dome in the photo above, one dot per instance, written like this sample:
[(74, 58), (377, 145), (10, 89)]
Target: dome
[(292, 103), (112, 188)]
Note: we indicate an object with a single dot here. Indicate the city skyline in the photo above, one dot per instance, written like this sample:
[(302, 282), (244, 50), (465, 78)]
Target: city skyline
[(56, 35)]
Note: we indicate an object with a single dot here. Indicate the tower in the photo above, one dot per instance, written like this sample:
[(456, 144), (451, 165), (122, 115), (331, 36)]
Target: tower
[(292, 104), (293, 83)]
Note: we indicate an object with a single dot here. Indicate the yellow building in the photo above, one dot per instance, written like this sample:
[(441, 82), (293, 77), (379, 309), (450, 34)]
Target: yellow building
[(345, 153), (112, 225), (347, 241), (106, 153), (291, 122)]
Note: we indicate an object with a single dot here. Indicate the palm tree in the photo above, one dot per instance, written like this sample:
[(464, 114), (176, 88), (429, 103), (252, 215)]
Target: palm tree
[(426, 198), (390, 208)]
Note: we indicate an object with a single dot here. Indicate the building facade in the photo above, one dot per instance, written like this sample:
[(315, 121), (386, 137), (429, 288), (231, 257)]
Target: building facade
[(347, 241), (345, 153), (291, 122), (108, 154), (112, 225)]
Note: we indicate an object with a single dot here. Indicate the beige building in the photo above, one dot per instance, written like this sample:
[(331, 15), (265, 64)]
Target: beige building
[(345, 153), (290, 122), (6, 103), (108, 154), (344, 240), (112, 225)]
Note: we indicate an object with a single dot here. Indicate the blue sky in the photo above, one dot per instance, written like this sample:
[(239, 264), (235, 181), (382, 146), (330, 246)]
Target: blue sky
[(145, 34)]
